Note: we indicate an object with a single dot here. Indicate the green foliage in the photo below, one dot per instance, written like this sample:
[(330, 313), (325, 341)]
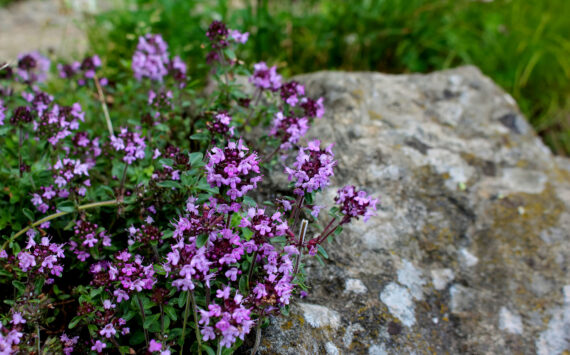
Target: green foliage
[(522, 45)]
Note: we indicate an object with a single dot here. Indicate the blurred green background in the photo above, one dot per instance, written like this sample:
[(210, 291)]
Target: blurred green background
[(522, 45)]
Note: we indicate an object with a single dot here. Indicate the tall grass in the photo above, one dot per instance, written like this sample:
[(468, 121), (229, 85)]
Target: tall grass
[(523, 45)]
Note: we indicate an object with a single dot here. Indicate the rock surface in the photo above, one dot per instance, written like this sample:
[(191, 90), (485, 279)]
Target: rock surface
[(470, 250)]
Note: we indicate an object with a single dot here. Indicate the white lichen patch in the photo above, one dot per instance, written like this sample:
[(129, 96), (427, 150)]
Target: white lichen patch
[(446, 162), (510, 322), (523, 180), (320, 316), (399, 303), (441, 277), (377, 350), (355, 286), (555, 339), (349, 333), (411, 277), (331, 349), (467, 258)]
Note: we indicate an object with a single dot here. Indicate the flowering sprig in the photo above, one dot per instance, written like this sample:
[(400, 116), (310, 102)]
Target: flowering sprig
[(32, 68), (312, 168)]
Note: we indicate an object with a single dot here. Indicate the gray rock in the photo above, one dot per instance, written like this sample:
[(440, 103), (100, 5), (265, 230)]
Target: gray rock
[(469, 252)]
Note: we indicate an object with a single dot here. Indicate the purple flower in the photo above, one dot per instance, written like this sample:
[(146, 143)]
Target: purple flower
[(108, 331), (217, 33), (234, 168), (265, 78), (17, 319), (313, 168), (355, 203), (151, 58), (131, 143), (2, 114), (289, 129), (238, 36), (290, 92), (220, 123), (177, 69), (32, 68), (313, 108), (99, 346), (154, 346)]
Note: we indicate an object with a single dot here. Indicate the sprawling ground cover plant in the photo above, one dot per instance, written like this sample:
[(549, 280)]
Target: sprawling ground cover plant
[(130, 215)]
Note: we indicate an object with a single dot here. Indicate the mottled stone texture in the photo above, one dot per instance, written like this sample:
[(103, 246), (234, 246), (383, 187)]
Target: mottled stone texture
[(470, 250)]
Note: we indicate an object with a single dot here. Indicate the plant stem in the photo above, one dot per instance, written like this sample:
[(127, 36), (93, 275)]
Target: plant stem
[(186, 310), (59, 214), (39, 343), (219, 349), (123, 178), (251, 267), (302, 233), (143, 319), (257, 337), (104, 105), (256, 101), (195, 309)]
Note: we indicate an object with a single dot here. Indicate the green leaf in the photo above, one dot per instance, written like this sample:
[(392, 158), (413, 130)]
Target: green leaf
[(150, 320), (322, 251), (200, 136), (66, 206), (201, 240), (28, 213), (249, 201), (170, 312), (320, 259), (170, 184), (281, 239), (243, 284), (75, 321), (208, 349), (19, 285), (166, 161), (196, 158)]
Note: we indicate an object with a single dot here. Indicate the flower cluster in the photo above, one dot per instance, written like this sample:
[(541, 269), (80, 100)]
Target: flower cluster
[(265, 78), (354, 204), (10, 337), (180, 163), (289, 129), (229, 321), (234, 168), (151, 58), (220, 123), (44, 258), (131, 143), (84, 70), (291, 91), (2, 114), (32, 68), (68, 344), (87, 237), (159, 102), (313, 168), (59, 122)]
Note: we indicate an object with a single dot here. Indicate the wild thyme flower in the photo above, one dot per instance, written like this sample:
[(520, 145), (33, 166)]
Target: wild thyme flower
[(68, 343), (131, 143), (238, 36), (86, 70), (177, 69), (151, 58), (40, 101), (217, 33), (233, 167), (159, 103), (354, 204), (265, 78), (291, 91), (59, 122), (44, 258), (220, 123), (313, 168), (313, 108), (129, 273), (32, 68), (86, 237), (68, 71), (2, 114), (10, 338), (21, 114), (289, 129)]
